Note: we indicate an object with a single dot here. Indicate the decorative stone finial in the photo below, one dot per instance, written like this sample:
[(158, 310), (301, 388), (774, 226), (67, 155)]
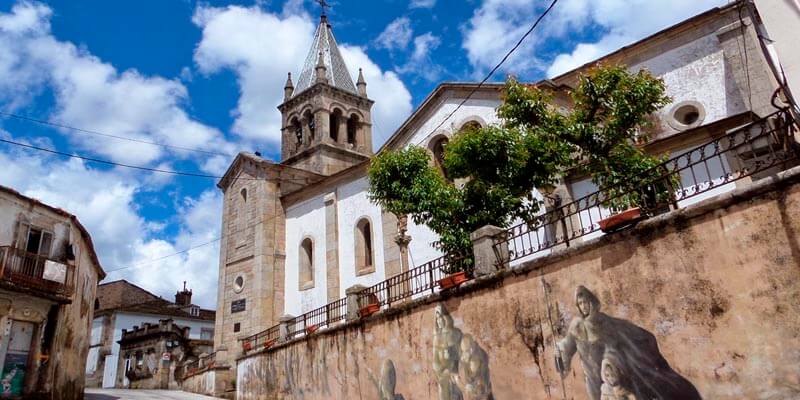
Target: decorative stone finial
[(361, 84), (321, 69), (288, 90)]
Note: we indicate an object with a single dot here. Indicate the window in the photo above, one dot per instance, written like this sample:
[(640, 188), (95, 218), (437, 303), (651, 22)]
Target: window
[(352, 129), (437, 148), (298, 130), (364, 254), (470, 126), (34, 240), (194, 311), (237, 327), (335, 120), (686, 115), (206, 333), (244, 194), (238, 284), (309, 118), (306, 264)]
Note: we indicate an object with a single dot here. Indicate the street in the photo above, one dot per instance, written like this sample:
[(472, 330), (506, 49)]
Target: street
[(128, 394)]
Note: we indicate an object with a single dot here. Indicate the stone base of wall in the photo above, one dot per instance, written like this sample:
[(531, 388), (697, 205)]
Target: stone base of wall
[(217, 382), (698, 303)]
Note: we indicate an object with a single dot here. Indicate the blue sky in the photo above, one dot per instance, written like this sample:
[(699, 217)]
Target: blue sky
[(209, 74)]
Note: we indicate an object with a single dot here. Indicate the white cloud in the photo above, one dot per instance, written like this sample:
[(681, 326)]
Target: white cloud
[(261, 48), (105, 203), (422, 4), (396, 35), (420, 62), (93, 95), (497, 24)]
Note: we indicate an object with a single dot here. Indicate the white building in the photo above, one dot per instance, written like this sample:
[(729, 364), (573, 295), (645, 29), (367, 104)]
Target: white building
[(298, 233), (123, 305)]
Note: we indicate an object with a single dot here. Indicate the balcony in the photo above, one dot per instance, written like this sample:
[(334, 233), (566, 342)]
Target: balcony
[(35, 274)]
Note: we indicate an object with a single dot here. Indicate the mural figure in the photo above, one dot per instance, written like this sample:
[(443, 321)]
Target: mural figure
[(446, 345), (473, 371), (647, 373), (387, 383), (613, 387)]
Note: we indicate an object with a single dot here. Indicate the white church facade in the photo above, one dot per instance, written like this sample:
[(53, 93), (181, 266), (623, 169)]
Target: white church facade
[(298, 233)]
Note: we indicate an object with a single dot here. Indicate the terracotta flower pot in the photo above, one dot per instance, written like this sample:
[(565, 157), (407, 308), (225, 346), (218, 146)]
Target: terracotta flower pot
[(246, 346), (621, 220), (369, 309), (453, 280), (311, 329), (269, 343)]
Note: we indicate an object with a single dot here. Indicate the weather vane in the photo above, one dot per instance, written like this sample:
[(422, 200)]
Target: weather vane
[(324, 4)]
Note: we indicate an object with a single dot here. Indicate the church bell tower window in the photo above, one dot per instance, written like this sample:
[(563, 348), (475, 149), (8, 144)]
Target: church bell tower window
[(352, 129)]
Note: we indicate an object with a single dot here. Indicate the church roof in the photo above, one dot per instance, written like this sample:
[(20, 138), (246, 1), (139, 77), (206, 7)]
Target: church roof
[(336, 69)]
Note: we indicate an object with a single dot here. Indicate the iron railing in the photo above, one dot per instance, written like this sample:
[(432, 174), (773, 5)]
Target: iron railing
[(35, 271), (424, 278), (304, 324), (754, 150)]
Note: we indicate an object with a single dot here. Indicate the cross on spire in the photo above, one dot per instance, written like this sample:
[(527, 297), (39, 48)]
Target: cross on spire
[(324, 5)]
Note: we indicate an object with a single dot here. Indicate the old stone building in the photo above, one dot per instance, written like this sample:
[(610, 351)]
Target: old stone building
[(122, 306), (298, 233), (158, 356), (48, 276)]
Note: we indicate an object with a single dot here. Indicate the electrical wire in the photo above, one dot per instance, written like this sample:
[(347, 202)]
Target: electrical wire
[(136, 167), (97, 133), (496, 67)]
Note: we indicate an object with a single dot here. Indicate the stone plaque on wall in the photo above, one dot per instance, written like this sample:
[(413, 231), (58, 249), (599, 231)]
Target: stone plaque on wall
[(237, 305)]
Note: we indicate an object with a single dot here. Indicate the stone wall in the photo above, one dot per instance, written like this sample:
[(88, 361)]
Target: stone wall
[(698, 302), (216, 382)]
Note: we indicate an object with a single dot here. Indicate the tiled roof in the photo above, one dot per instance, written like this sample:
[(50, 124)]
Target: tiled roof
[(336, 69), (121, 293), (166, 308)]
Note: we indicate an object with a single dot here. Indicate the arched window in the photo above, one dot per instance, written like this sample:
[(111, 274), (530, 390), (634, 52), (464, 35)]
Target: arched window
[(352, 129), (298, 130), (470, 126), (96, 304), (437, 147), (336, 118), (244, 194), (309, 119), (364, 254), (306, 263)]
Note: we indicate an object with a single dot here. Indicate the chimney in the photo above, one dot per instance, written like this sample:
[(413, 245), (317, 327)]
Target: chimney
[(184, 297)]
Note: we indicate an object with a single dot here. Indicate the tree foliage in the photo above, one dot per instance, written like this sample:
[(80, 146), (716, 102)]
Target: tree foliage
[(535, 145)]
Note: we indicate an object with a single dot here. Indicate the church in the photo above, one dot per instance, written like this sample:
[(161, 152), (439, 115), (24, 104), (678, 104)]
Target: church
[(298, 233)]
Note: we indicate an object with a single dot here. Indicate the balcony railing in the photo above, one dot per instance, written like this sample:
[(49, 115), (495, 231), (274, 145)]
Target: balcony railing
[(33, 271), (752, 151)]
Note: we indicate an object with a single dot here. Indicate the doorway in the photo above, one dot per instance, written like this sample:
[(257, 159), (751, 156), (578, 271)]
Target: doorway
[(17, 358)]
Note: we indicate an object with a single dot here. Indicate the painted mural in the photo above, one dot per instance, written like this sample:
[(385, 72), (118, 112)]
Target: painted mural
[(460, 364), (619, 359)]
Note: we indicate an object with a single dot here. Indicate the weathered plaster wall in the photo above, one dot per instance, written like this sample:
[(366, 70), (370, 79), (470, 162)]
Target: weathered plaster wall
[(712, 289), (354, 205), (216, 382), (305, 220)]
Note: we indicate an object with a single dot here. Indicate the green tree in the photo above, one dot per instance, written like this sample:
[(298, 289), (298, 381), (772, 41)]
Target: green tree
[(535, 145)]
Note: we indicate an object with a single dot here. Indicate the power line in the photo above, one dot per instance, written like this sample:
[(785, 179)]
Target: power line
[(496, 67), (137, 167), (97, 133)]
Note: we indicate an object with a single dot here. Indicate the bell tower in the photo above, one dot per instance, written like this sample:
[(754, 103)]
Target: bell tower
[(326, 119)]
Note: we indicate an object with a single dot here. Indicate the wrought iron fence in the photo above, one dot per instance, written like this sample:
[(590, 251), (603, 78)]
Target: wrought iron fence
[(424, 278), (754, 150), (304, 324)]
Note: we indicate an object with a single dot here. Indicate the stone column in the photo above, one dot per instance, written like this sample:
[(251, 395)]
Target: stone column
[(322, 123), (488, 259), (403, 239), (283, 327), (332, 247), (353, 305), (342, 130)]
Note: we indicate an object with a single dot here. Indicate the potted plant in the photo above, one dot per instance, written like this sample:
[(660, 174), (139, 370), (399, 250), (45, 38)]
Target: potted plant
[(620, 220), (269, 343), (311, 329), (246, 346), (456, 270), (373, 305)]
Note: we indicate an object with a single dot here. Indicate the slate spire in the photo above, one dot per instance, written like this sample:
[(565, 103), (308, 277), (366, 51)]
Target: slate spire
[(325, 52)]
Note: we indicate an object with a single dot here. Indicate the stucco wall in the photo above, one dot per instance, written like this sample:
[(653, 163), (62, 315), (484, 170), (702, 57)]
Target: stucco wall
[(305, 220), (710, 290)]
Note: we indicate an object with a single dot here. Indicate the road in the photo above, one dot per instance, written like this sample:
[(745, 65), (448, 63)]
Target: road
[(126, 394)]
